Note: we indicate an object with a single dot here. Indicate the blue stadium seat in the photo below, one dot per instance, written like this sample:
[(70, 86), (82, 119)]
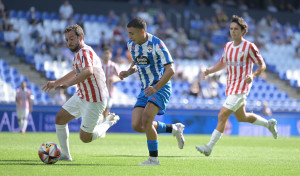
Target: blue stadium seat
[(12, 14), (21, 14), (29, 59), (20, 51), (1, 36), (71, 90), (46, 16), (54, 16)]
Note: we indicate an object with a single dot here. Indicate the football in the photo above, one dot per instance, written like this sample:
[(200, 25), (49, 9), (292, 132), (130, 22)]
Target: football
[(49, 152)]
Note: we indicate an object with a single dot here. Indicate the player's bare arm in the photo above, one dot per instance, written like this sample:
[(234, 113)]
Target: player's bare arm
[(219, 66), (52, 84), (261, 67), (132, 69), (84, 74), (169, 72)]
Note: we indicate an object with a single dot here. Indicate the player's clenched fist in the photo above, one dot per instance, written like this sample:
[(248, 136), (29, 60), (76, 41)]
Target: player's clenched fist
[(123, 74), (249, 78)]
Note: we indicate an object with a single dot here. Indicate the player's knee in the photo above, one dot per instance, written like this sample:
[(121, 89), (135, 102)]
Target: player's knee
[(137, 128)]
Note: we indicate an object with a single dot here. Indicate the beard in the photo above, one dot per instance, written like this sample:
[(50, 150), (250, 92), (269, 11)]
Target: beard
[(76, 48)]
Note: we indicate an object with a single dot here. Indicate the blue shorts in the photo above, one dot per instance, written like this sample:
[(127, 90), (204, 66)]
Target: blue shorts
[(160, 98)]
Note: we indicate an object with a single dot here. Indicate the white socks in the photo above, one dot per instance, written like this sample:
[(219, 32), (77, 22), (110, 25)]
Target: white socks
[(216, 135), (62, 132), (101, 129), (261, 121), (24, 125)]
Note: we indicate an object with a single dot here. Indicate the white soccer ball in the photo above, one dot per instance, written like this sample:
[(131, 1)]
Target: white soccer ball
[(49, 153)]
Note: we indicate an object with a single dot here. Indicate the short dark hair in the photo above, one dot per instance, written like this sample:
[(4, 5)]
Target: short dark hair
[(137, 22), (241, 22), (76, 28), (106, 48)]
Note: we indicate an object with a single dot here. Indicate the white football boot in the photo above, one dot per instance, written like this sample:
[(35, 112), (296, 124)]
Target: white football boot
[(204, 149), (149, 162), (177, 131), (112, 117), (65, 158), (272, 127)]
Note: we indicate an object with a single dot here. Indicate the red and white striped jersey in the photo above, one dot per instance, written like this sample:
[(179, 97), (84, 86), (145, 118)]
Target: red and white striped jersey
[(110, 70), (240, 61), (92, 89)]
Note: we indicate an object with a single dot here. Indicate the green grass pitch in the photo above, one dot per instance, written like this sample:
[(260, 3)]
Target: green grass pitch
[(119, 154)]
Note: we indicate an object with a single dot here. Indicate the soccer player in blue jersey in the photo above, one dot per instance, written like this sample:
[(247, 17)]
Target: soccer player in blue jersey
[(154, 64)]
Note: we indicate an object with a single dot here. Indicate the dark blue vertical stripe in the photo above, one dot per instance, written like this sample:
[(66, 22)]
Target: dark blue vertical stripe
[(143, 70)]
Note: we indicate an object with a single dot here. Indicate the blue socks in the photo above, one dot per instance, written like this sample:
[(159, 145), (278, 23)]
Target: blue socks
[(153, 147), (161, 127)]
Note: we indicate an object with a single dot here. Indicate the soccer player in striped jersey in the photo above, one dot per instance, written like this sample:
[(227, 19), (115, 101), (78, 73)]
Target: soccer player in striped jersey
[(238, 57), (111, 71), (89, 102), (154, 64)]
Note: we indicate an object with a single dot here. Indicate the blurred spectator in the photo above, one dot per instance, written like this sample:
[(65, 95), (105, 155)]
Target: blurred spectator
[(181, 37), (56, 52), (195, 89), (2, 8), (32, 16), (120, 56), (60, 97), (66, 10), (11, 38), (112, 19), (297, 50), (24, 106), (266, 110)]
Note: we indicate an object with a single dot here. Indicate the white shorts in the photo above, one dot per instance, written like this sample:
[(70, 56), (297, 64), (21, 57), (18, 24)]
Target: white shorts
[(109, 102), (234, 102), (91, 112), (23, 113)]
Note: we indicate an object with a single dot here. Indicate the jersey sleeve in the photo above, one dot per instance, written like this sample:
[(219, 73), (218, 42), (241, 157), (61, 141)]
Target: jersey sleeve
[(163, 53), (223, 59), (86, 57), (254, 54)]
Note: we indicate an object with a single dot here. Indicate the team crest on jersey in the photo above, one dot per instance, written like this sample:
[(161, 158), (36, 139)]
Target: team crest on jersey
[(241, 54), (149, 48)]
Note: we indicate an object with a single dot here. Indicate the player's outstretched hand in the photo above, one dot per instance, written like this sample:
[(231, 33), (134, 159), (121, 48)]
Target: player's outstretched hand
[(48, 86), (249, 78), (204, 74), (149, 91), (123, 74)]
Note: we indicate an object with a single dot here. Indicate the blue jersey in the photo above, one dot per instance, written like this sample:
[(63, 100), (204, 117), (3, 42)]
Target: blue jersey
[(150, 58)]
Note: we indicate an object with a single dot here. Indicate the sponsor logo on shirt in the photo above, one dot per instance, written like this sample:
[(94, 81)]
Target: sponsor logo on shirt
[(142, 61), (235, 64)]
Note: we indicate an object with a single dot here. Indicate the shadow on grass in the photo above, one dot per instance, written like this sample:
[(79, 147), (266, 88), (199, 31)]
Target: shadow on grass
[(139, 156), (59, 163)]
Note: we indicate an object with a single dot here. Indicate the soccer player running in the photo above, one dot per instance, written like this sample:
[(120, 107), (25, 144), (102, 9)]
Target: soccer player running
[(24, 106), (112, 76), (239, 56), (89, 100), (154, 64)]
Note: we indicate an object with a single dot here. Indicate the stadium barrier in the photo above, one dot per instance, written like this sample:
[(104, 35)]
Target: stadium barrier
[(42, 119)]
